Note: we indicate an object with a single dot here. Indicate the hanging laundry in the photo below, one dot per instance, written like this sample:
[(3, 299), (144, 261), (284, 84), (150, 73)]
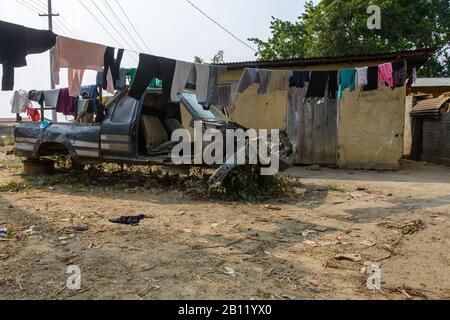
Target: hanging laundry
[(51, 98), (362, 76), (167, 72), (372, 79), (347, 79), (251, 76), (111, 69), (213, 88), (399, 73), (77, 56), (36, 96), (16, 43), (84, 115), (33, 114), (279, 80), (202, 80), (20, 102), (333, 84), (299, 78), (65, 103), (180, 78), (149, 67), (155, 83), (91, 93), (318, 84), (385, 74)]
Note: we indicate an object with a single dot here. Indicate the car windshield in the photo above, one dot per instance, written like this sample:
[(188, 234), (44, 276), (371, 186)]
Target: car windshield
[(212, 114)]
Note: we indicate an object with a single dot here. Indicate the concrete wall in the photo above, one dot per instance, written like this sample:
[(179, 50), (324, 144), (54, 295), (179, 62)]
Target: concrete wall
[(370, 127)]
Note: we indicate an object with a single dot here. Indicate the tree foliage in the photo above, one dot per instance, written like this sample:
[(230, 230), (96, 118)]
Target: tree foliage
[(339, 27)]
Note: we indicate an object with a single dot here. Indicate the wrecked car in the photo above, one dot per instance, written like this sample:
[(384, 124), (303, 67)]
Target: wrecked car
[(132, 132)]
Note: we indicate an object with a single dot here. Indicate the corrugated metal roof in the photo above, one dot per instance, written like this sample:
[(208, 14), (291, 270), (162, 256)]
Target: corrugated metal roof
[(432, 82), (429, 107), (415, 58)]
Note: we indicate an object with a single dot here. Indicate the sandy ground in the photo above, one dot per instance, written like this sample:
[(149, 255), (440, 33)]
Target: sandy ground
[(191, 249)]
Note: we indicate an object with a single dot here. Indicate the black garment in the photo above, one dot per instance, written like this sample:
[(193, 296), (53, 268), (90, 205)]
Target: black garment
[(299, 78), (131, 220), (372, 79), (399, 73), (37, 96), (167, 72), (333, 85), (16, 42), (113, 64), (318, 84), (148, 68)]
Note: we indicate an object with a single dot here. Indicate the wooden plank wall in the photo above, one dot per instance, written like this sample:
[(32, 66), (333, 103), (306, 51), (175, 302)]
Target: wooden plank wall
[(313, 126), (436, 138)]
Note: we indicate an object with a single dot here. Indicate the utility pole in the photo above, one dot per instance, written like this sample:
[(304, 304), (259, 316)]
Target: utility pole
[(50, 16)]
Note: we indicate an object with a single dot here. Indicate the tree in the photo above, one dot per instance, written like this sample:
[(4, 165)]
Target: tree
[(217, 59), (339, 27), (198, 59)]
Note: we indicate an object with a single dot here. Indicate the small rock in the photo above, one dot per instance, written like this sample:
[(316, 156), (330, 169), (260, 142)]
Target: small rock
[(313, 168), (81, 227), (310, 243), (270, 207), (349, 257), (306, 233), (321, 229), (181, 213), (368, 243), (361, 189), (389, 195), (11, 206)]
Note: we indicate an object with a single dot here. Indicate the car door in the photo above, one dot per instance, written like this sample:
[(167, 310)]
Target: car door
[(119, 130)]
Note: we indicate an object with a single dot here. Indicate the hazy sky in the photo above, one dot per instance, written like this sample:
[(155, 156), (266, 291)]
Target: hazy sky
[(171, 28)]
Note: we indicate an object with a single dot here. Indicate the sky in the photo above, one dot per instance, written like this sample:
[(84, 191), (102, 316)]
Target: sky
[(170, 28)]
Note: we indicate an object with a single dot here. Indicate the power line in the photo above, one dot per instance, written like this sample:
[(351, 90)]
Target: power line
[(103, 26), (39, 6), (29, 7), (132, 25), (112, 25), (219, 25), (139, 48)]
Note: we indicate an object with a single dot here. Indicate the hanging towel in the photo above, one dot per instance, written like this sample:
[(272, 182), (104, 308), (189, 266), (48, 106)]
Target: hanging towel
[(111, 69), (201, 83), (399, 73), (65, 103), (279, 80), (180, 78), (213, 88), (299, 78), (362, 76), (318, 84), (77, 56), (20, 102), (347, 79), (51, 98), (16, 43), (385, 74), (372, 79)]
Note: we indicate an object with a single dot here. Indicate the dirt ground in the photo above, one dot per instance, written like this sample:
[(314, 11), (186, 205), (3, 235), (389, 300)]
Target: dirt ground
[(197, 249)]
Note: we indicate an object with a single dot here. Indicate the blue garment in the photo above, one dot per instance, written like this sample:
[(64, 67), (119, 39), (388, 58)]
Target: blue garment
[(91, 93), (347, 79), (120, 82), (299, 78)]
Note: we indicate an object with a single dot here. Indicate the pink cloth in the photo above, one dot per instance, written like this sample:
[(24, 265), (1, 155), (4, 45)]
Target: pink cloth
[(385, 73), (77, 56)]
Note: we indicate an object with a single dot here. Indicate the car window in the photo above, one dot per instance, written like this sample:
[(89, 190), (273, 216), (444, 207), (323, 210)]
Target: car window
[(124, 110), (212, 114)]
